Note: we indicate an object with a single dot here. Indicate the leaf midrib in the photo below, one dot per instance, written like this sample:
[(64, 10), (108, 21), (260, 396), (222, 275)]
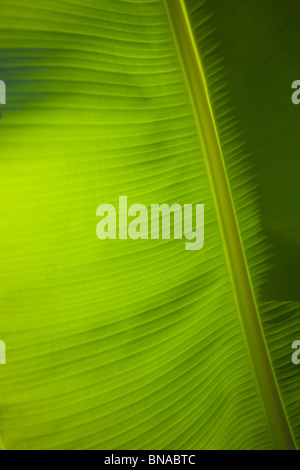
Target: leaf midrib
[(237, 264)]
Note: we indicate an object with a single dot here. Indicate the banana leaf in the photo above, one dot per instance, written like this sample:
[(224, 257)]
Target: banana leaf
[(141, 344)]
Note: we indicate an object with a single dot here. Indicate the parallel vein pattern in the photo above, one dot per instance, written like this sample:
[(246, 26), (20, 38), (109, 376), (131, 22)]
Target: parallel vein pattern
[(120, 344)]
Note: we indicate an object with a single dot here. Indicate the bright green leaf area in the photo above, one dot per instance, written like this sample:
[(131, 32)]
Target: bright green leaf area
[(123, 344)]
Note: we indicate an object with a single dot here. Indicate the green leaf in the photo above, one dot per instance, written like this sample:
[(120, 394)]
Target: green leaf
[(123, 344)]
